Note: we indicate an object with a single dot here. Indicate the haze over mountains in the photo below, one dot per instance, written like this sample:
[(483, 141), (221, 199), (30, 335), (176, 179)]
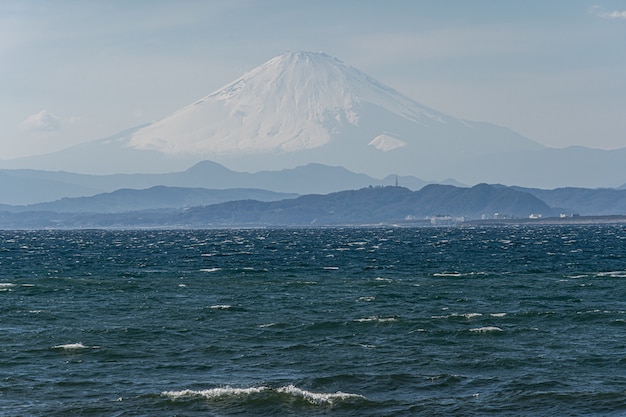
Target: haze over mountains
[(300, 108), (27, 187)]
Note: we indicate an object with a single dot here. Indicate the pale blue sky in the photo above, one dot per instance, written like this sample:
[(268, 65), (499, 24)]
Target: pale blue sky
[(73, 71)]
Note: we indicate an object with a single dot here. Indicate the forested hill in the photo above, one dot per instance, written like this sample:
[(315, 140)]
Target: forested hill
[(370, 205)]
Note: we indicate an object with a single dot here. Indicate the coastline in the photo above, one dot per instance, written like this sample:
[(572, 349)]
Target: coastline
[(570, 220)]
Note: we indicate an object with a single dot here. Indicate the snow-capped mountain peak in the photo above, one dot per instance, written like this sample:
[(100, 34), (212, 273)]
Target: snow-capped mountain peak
[(295, 109), (293, 102)]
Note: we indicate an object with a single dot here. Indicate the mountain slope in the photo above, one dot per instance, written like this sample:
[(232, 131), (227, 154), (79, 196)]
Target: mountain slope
[(583, 201), (158, 197)]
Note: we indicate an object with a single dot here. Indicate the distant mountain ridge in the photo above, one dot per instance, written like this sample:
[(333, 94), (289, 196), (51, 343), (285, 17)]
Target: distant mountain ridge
[(198, 186), (582, 201), (21, 187), (157, 197), (371, 205)]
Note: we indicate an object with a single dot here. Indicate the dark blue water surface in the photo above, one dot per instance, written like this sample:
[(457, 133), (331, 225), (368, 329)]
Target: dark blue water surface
[(349, 322)]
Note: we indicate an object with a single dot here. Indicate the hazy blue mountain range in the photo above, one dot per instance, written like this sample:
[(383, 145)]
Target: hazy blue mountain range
[(300, 108), (373, 205), (369, 205), (20, 187), (191, 189), (583, 201), (157, 197)]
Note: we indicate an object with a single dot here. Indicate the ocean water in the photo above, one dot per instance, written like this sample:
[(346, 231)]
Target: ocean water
[(527, 321)]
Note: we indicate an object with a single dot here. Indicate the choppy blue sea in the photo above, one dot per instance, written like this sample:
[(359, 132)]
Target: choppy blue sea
[(512, 321)]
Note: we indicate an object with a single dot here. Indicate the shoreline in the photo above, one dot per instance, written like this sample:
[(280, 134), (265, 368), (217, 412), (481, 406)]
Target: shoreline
[(582, 220)]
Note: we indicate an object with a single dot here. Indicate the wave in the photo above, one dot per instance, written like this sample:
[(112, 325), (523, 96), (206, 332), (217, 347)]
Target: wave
[(212, 393), (316, 398), (375, 319), (486, 329), (210, 269), (612, 274), (74, 346), (467, 316), (459, 274), (220, 307)]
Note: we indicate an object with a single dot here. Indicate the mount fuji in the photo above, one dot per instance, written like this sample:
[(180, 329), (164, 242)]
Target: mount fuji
[(310, 107), (303, 107)]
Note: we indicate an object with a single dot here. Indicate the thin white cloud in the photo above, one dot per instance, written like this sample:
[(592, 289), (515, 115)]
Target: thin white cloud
[(44, 121), (614, 15)]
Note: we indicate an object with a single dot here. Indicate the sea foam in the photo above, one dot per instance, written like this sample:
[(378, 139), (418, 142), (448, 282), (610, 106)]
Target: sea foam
[(486, 329), (317, 398), (74, 346), (612, 274), (220, 307), (213, 393), (375, 319)]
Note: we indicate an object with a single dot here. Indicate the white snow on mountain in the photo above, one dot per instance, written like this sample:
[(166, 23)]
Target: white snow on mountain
[(293, 102), (386, 143)]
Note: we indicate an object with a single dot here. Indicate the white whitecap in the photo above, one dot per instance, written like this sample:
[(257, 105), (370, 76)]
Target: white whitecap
[(221, 392), (316, 397), (74, 346), (420, 330), (220, 307), (613, 274), (375, 319), (210, 269), (486, 329), (212, 393)]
